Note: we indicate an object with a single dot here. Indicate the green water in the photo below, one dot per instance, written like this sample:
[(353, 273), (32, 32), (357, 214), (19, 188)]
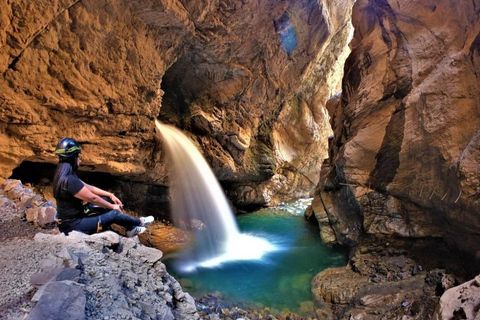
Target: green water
[(281, 279)]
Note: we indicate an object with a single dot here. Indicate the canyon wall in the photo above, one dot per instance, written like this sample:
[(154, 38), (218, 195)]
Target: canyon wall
[(406, 152), (247, 81)]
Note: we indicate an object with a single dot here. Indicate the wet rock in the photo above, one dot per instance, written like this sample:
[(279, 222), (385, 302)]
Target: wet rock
[(380, 282)]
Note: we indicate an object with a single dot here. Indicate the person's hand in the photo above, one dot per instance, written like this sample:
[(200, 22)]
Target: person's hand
[(117, 207), (116, 200)]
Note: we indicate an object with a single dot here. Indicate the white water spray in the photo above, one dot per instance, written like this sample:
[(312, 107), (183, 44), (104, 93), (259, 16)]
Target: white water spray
[(196, 195)]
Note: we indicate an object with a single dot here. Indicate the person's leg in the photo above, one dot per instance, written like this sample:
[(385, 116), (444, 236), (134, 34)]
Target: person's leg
[(117, 217), (88, 225)]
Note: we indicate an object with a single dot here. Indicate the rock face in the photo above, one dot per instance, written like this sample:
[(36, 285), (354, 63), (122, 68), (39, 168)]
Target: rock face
[(90, 277), (405, 157), (404, 161), (248, 81)]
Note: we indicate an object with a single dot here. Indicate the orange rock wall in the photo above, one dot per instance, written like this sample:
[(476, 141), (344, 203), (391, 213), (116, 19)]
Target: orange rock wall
[(405, 158), (233, 74)]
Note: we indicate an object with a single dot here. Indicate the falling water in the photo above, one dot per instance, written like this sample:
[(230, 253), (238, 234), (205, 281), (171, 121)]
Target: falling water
[(196, 195)]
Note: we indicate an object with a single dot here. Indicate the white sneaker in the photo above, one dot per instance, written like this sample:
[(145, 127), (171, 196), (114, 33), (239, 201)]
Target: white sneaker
[(135, 231), (146, 221)]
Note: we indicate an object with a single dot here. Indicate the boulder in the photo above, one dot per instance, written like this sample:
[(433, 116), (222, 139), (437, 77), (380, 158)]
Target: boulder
[(380, 284), (462, 302), (60, 300), (122, 279), (41, 216)]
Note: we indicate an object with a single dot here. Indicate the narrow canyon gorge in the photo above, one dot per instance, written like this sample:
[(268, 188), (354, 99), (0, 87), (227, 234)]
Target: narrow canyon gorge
[(371, 107)]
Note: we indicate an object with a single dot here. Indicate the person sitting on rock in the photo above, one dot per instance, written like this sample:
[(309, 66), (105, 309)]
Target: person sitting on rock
[(70, 193)]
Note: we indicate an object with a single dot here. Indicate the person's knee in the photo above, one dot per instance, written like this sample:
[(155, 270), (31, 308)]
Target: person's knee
[(113, 213)]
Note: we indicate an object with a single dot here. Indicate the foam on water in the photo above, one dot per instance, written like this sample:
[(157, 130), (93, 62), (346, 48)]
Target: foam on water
[(196, 195)]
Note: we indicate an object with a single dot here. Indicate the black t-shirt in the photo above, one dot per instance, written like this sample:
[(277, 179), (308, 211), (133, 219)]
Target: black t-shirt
[(69, 207)]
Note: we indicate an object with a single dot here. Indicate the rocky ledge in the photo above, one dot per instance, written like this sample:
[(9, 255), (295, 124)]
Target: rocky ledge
[(105, 276)]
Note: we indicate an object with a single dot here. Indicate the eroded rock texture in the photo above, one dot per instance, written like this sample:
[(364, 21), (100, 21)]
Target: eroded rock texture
[(405, 157), (247, 80)]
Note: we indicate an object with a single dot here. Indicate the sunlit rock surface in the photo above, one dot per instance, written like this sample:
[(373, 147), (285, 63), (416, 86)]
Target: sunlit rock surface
[(248, 81), (405, 157)]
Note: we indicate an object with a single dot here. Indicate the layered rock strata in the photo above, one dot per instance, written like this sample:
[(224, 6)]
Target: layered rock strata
[(405, 157), (248, 81)]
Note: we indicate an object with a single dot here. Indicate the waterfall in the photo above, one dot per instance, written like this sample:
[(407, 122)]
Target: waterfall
[(196, 195)]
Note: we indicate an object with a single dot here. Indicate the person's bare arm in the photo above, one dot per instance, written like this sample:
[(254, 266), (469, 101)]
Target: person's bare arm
[(86, 195), (103, 193)]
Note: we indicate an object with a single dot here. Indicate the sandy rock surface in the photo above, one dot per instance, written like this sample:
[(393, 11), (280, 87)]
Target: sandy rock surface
[(20, 258)]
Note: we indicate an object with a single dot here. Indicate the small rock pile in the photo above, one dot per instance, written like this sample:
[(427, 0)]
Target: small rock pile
[(18, 202), (214, 307)]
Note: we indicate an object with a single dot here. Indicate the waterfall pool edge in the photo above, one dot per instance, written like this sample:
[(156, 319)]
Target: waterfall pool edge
[(281, 279)]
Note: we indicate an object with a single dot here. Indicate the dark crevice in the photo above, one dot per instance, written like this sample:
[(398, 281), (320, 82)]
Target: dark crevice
[(388, 157), (175, 102), (12, 65)]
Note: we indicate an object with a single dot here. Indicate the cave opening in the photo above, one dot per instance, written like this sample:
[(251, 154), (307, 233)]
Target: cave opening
[(137, 196), (175, 107)]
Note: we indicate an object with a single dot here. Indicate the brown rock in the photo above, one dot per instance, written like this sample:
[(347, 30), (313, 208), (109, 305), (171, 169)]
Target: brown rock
[(379, 283), (327, 233), (405, 154), (338, 286), (103, 71), (45, 216)]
